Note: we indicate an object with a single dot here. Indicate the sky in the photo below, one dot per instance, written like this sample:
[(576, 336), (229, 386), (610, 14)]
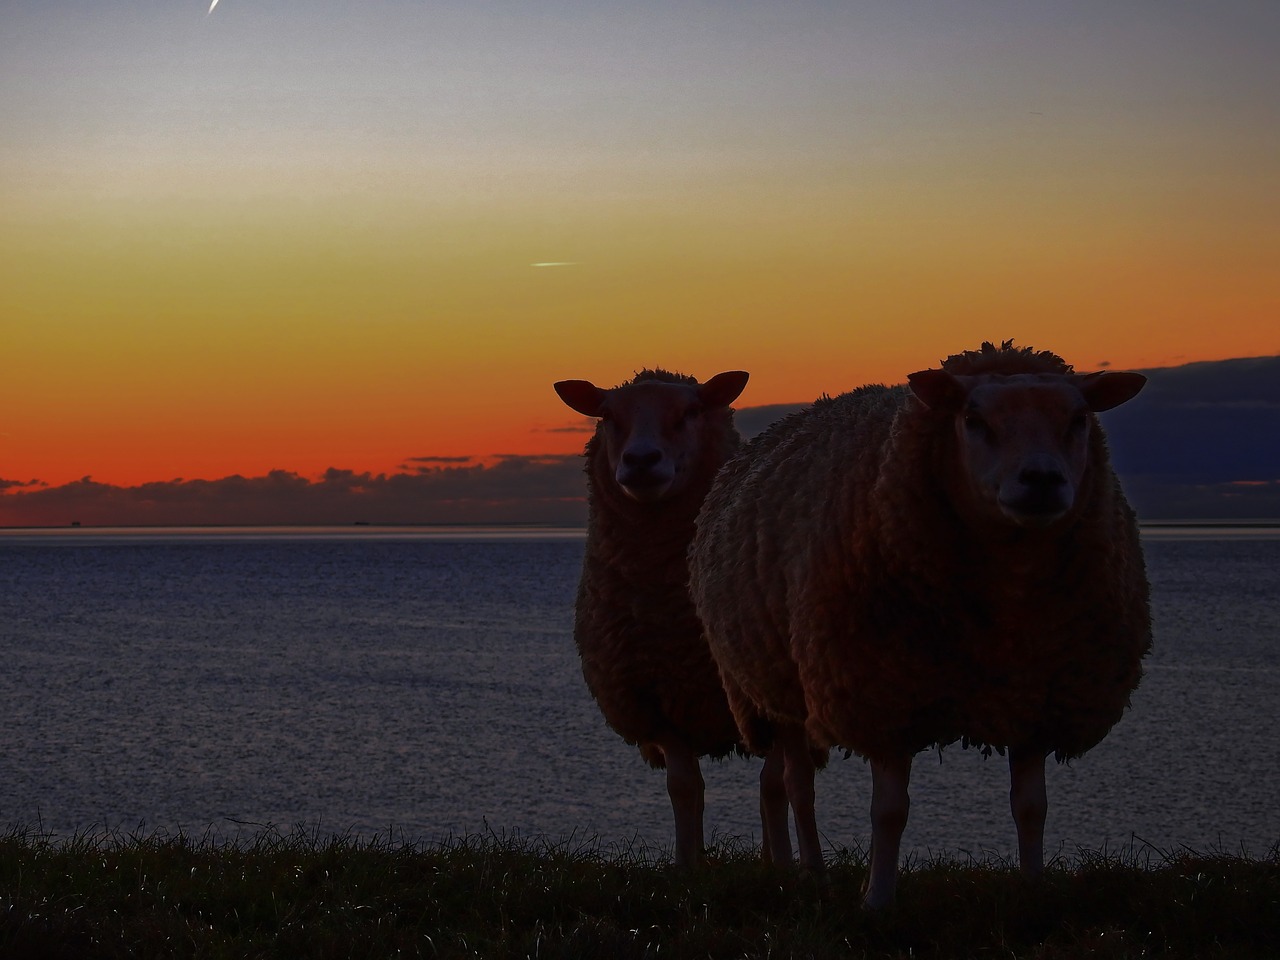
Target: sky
[(288, 238)]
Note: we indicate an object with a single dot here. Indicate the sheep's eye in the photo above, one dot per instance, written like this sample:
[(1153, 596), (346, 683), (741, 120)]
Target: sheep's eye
[(977, 427), (690, 414)]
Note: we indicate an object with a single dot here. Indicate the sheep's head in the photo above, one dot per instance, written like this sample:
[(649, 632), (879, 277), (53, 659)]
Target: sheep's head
[(1024, 439), (653, 430)]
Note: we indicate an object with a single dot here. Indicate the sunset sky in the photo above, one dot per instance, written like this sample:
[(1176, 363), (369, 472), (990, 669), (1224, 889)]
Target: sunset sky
[(303, 234)]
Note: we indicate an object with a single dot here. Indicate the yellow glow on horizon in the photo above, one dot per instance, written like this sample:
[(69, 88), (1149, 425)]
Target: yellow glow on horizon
[(297, 336)]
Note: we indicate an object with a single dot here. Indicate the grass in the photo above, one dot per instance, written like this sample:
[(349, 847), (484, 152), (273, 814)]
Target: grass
[(298, 895)]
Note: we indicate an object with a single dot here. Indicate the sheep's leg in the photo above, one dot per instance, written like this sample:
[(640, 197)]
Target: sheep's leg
[(685, 787), (1029, 803), (776, 847), (890, 804), (797, 776)]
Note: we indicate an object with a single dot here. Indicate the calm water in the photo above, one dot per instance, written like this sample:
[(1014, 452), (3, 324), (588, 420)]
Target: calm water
[(424, 684)]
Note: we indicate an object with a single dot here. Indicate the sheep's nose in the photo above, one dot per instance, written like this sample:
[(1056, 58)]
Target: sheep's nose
[(1041, 494), (641, 459)]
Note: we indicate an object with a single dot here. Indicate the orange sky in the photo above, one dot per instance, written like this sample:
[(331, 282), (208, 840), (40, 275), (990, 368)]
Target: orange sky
[(275, 238)]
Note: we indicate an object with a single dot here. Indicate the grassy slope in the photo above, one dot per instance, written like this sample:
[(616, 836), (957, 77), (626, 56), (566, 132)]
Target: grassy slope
[(297, 895)]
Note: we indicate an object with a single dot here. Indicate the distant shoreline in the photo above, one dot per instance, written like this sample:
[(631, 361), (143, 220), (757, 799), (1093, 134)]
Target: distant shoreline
[(469, 531), (483, 531)]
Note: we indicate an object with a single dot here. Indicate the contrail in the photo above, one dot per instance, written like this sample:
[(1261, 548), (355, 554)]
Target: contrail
[(551, 263), (211, 6)]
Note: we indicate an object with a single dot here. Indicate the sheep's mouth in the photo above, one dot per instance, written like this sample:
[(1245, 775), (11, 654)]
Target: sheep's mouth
[(644, 486), (646, 492), (1034, 510)]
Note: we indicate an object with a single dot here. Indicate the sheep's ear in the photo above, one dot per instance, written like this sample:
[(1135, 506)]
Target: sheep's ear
[(938, 390), (1105, 390), (582, 395), (724, 388)]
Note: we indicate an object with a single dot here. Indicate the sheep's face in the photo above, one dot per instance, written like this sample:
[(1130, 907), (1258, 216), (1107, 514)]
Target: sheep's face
[(1023, 440), (653, 431)]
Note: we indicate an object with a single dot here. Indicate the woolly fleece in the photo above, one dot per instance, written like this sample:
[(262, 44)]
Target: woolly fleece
[(643, 653), (844, 588)]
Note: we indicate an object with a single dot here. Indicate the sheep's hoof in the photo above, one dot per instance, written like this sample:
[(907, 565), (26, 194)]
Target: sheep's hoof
[(874, 900), (876, 903), (817, 873), (817, 882)]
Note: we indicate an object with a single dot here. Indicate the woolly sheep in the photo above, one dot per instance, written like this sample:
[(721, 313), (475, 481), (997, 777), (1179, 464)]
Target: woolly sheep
[(659, 441), (954, 560)]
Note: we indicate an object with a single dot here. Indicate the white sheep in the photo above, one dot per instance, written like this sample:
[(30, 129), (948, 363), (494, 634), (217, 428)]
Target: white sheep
[(660, 439), (899, 568)]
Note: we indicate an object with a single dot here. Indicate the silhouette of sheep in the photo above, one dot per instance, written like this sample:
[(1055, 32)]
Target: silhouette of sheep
[(660, 439), (954, 560)]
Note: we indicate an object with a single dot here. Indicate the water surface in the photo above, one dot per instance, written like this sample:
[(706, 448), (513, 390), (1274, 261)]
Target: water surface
[(423, 683)]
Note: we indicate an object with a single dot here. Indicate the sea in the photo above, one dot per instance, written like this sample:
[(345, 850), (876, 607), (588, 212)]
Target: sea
[(421, 685)]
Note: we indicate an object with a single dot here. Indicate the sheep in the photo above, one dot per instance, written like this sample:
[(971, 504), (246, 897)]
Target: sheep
[(905, 567), (659, 441)]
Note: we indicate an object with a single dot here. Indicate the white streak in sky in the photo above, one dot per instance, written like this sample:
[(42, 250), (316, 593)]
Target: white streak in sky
[(556, 263), (211, 6)]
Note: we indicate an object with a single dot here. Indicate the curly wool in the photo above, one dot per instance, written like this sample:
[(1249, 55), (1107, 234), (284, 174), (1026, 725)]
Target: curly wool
[(644, 656), (1005, 360), (843, 589)]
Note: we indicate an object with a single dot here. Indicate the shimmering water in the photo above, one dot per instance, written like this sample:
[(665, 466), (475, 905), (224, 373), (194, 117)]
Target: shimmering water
[(424, 684)]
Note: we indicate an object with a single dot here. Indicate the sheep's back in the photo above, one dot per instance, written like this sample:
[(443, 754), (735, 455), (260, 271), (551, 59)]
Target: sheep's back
[(777, 514)]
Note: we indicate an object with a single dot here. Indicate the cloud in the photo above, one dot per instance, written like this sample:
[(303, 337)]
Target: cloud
[(420, 464), (585, 425), (752, 420), (1201, 423), (514, 489), (19, 484), (1156, 498)]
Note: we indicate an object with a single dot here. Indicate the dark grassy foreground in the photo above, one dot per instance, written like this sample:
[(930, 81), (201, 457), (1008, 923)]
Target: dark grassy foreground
[(298, 896)]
